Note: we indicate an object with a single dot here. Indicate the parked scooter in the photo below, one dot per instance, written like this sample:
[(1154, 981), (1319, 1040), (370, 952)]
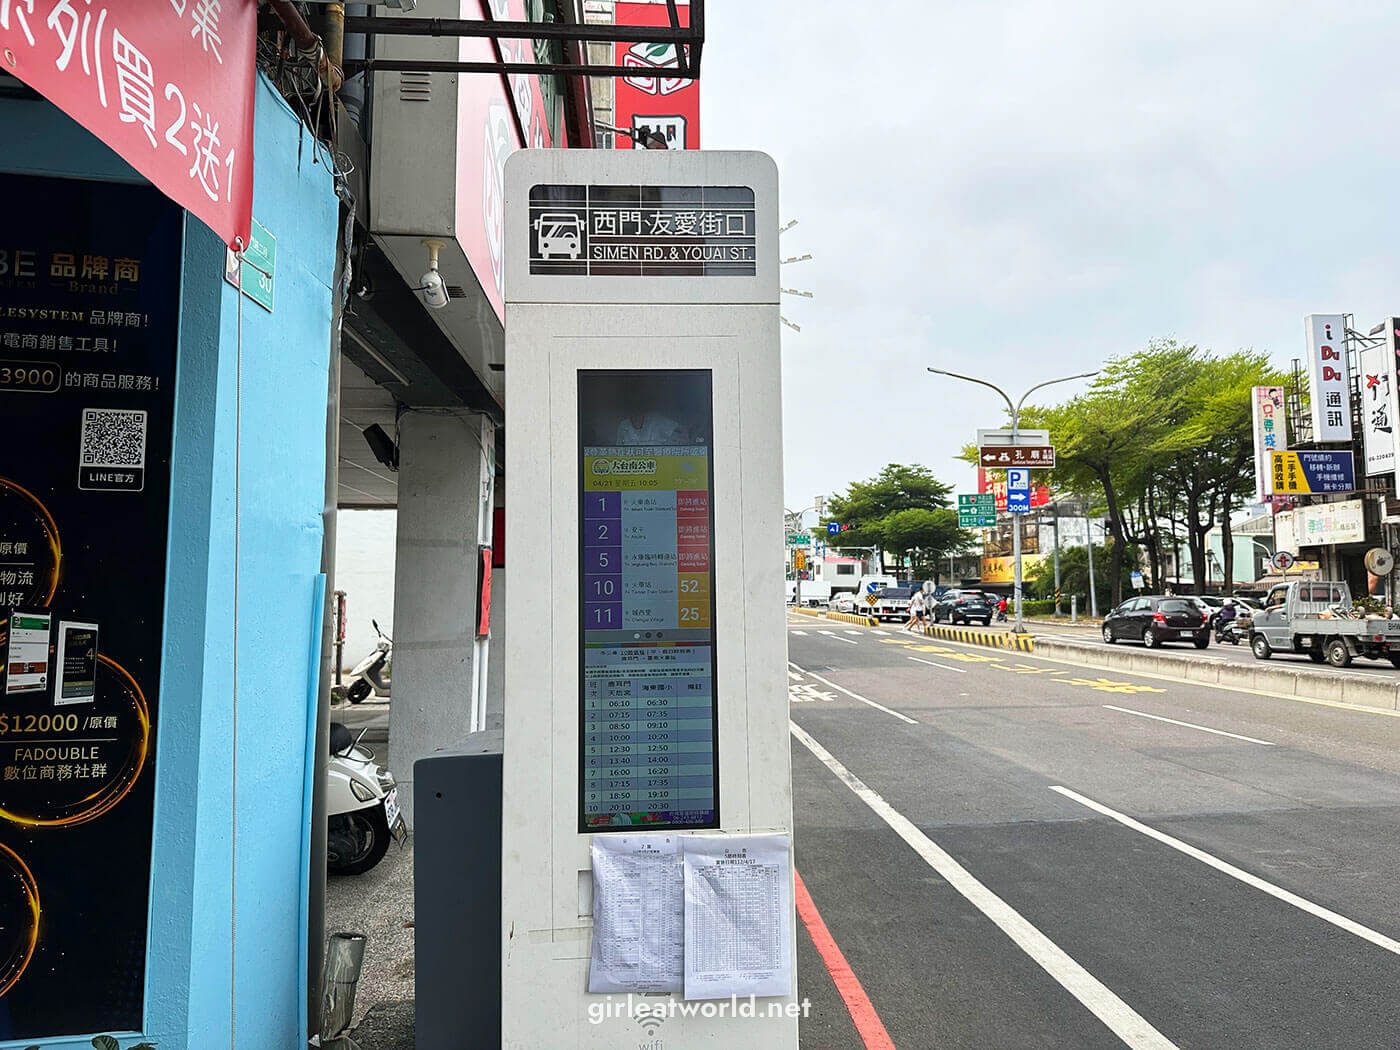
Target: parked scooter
[(362, 806), (368, 675)]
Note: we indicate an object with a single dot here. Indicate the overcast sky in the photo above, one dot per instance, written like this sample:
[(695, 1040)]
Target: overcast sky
[(1021, 190)]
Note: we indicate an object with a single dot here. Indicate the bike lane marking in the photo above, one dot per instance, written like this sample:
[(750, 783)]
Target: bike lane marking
[(855, 696), (1120, 1018)]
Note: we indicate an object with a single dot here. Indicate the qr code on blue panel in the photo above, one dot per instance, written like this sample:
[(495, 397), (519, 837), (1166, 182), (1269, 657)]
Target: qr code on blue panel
[(113, 437)]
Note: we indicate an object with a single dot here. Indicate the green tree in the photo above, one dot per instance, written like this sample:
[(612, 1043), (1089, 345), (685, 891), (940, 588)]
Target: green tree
[(1074, 576), (902, 511)]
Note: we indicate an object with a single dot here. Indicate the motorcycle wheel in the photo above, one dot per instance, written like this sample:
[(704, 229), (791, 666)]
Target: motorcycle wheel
[(356, 842), (359, 691)]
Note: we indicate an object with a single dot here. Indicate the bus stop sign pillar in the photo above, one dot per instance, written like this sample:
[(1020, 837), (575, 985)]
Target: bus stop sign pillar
[(646, 713)]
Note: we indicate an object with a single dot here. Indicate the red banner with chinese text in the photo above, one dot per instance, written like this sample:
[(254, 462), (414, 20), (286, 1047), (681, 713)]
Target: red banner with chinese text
[(167, 84), (994, 481), (654, 103)]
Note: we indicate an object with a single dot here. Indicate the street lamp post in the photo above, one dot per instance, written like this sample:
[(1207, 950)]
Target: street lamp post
[(1015, 410), (789, 515)]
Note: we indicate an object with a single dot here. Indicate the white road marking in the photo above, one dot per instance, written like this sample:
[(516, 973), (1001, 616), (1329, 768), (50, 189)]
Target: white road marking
[(794, 675), (833, 634), (960, 670), (1125, 1022), (1301, 903), (1190, 725), (850, 630), (796, 631), (856, 696), (879, 632)]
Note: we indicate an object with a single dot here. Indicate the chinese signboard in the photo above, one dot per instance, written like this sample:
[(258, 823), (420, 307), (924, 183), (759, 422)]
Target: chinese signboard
[(977, 510), (1017, 456), (1270, 435), (650, 102), (648, 729), (995, 484), (1313, 472), (1328, 523), (1378, 408), (643, 231), (167, 85), (89, 288), (1328, 377), (1003, 570)]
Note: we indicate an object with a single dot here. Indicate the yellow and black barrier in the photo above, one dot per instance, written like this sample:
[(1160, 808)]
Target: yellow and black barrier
[(864, 621), (1023, 643), (808, 612)]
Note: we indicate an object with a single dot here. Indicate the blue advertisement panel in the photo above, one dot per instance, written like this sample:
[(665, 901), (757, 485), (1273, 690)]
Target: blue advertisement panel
[(1324, 471)]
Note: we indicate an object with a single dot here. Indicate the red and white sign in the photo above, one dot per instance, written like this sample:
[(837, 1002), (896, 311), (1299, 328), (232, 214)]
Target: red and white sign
[(1040, 494), (167, 84), (651, 101)]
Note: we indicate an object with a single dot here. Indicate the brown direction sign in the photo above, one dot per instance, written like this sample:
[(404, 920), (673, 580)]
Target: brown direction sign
[(1016, 456)]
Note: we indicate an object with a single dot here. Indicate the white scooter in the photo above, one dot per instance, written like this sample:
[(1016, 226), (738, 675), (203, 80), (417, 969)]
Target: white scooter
[(362, 806), (367, 676)]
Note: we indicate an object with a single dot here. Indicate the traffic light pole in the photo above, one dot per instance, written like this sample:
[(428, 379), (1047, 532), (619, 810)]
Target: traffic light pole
[(1015, 410)]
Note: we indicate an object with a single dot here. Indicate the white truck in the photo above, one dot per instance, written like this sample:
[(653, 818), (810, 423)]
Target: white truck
[(1316, 617)]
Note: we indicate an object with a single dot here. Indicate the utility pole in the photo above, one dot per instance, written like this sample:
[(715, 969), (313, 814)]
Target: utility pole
[(1015, 410), (1055, 526)]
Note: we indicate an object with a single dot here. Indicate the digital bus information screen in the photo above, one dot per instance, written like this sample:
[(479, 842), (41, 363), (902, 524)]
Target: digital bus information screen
[(647, 725)]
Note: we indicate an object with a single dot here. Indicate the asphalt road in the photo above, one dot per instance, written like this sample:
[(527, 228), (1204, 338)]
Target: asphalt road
[(1012, 852)]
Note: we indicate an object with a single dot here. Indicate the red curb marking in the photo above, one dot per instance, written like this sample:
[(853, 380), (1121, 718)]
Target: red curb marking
[(867, 1021)]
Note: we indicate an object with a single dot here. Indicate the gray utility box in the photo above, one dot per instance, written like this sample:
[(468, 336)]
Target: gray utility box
[(457, 895)]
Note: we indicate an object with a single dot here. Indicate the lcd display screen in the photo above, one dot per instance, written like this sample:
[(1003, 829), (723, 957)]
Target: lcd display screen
[(647, 705)]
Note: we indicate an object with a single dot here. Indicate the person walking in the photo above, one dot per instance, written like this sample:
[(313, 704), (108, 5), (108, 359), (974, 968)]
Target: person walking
[(916, 611)]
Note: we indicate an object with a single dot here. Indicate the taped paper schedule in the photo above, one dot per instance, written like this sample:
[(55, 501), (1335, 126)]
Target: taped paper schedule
[(707, 915)]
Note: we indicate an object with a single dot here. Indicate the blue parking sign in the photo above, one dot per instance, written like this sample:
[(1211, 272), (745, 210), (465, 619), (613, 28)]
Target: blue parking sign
[(1018, 490)]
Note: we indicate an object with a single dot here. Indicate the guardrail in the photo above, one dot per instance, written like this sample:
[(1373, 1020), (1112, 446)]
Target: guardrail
[(1381, 692)]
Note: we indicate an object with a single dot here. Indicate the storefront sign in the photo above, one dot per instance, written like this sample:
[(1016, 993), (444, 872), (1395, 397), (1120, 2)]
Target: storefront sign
[(1270, 435), (89, 303), (650, 102), (1328, 523), (1328, 377), (167, 84), (643, 231), (1313, 472), (1378, 408), (649, 729)]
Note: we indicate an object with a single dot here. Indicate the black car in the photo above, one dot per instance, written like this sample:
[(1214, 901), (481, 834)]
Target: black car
[(960, 606), (1156, 619)]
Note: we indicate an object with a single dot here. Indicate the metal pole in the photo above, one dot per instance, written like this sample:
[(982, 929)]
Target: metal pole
[(1089, 534), (1016, 526), (1055, 525)]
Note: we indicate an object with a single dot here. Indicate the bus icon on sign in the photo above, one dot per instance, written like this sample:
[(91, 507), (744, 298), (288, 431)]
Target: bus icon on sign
[(558, 235)]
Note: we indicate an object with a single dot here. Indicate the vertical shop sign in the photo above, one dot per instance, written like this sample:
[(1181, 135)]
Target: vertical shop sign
[(89, 288), (1378, 408), (1270, 436), (167, 84), (650, 102), (1328, 376)]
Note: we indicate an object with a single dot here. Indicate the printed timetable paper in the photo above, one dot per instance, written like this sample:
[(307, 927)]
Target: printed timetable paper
[(638, 903), (738, 916)]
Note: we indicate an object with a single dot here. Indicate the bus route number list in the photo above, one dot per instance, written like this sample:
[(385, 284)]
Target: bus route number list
[(648, 667)]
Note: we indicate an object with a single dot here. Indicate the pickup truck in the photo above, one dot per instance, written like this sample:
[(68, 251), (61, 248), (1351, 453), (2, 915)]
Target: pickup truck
[(892, 603), (1315, 617)]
